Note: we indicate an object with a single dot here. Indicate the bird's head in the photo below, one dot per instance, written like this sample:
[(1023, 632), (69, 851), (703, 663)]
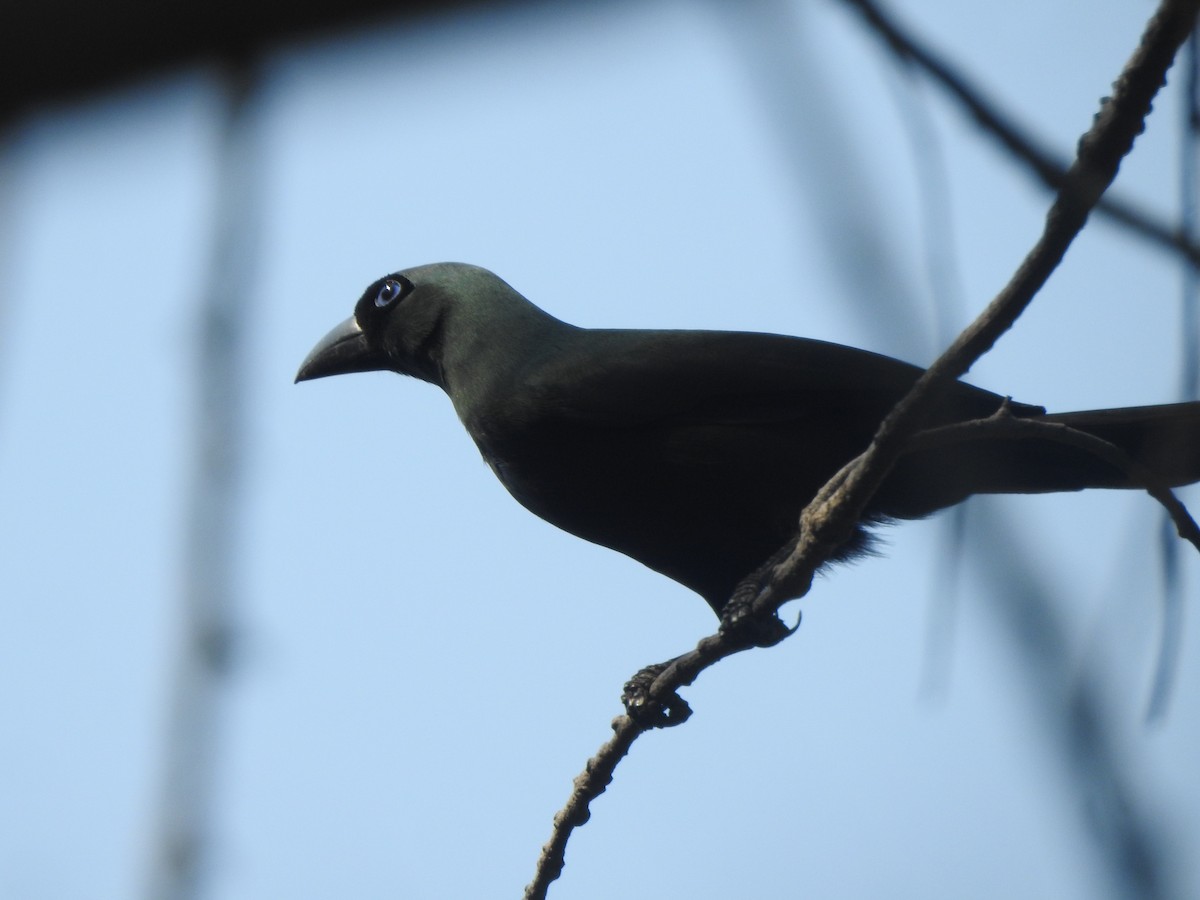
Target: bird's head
[(401, 321)]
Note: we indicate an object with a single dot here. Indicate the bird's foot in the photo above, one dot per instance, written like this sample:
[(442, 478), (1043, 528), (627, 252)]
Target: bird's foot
[(653, 713), (738, 621)]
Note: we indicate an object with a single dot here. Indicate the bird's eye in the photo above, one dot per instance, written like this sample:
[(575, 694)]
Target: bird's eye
[(389, 293)]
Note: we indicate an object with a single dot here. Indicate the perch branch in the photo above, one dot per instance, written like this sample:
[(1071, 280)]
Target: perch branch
[(830, 518)]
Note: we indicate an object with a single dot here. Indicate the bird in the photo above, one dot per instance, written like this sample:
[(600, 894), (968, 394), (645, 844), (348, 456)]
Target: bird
[(693, 451)]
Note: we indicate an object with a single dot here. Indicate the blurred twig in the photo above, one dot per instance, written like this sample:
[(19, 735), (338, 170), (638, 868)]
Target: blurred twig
[(779, 56), (1171, 623), (1048, 166), (183, 834), (946, 298), (1070, 704), (1070, 701), (9, 201)]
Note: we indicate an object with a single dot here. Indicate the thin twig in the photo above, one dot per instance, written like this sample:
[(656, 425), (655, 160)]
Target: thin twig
[(588, 785), (831, 517)]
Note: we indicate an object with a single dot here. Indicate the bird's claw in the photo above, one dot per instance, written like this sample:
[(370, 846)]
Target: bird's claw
[(648, 712), (738, 621)]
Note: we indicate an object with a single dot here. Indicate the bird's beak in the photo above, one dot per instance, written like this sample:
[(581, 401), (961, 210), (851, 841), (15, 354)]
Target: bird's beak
[(340, 352)]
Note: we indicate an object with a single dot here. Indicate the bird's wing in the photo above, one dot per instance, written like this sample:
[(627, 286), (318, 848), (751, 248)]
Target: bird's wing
[(615, 378)]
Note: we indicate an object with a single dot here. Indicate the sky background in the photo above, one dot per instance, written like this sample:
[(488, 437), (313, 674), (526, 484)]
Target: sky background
[(421, 666)]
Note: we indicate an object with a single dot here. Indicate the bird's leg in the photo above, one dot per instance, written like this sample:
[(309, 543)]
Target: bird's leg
[(660, 713), (740, 625)]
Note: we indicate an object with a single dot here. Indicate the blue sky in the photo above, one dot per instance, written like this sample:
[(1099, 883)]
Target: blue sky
[(422, 666)]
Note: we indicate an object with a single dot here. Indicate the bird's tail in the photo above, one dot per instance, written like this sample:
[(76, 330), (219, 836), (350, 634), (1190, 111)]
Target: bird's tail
[(1164, 439)]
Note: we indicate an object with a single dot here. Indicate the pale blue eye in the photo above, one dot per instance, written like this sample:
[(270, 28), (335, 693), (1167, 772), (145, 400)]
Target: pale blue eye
[(388, 293)]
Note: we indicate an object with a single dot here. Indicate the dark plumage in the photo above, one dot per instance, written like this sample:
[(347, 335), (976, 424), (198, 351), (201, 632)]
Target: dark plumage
[(694, 451)]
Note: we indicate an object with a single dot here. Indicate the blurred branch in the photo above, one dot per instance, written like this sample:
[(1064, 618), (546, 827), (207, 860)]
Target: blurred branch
[(1171, 624), (1046, 165), (751, 617), (9, 201), (776, 49), (56, 51), (182, 835), (946, 301), (1067, 696)]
